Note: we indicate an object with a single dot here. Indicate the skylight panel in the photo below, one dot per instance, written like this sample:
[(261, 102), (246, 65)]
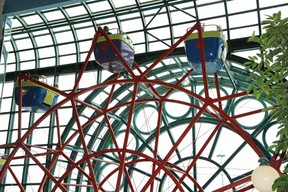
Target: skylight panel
[(139, 48), (243, 32), (47, 52), (243, 19), (202, 2), (28, 65), (181, 17), (20, 36), (76, 11), (238, 6), (62, 28), (24, 44), (137, 37), (64, 37), (98, 7), (122, 3), (44, 40), (27, 55), (67, 49), (132, 25), (156, 21), (159, 33), (54, 15), (47, 62), (11, 67), (147, 1), (85, 45), (16, 23), (67, 59), (180, 30), (157, 45), (211, 10), (271, 3), (33, 19), (41, 32)]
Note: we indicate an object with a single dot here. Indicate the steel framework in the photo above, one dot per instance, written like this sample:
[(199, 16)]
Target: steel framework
[(126, 164)]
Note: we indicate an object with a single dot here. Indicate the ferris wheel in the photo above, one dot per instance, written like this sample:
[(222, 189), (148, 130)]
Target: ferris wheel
[(138, 132)]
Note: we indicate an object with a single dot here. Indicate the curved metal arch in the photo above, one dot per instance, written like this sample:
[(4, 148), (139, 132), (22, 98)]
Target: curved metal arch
[(53, 37), (143, 24), (86, 6), (36, 53), (113, 8), (74, 33)]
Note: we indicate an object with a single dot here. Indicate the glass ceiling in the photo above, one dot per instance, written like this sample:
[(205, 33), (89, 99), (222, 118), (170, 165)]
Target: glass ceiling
[(166, 131)]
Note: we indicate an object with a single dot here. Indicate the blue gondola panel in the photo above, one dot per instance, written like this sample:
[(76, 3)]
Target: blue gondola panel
[(215, 51), (107, 57), (35, 98)]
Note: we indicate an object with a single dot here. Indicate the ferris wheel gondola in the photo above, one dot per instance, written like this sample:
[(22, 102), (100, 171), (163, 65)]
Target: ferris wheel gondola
[(215, 49), (35, 97), (107, 57)]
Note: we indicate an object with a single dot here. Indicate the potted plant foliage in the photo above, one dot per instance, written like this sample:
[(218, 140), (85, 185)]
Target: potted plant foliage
[(269, 77)]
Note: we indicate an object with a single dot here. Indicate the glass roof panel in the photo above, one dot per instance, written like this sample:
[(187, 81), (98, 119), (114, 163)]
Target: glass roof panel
[(43, 40), (47, 52), (137, 38), (129, 24), (40, 32), (53, 15), (271, 3), (75, 11), (243, 32), (211, 10), (159, 33), (157, 45), (62, 29), (238, 21), (238, 6), (24, 43), (147, 1), (179, 16), (28, 65), (65, 36), (67, 59), (16, 23), (48, 62), (98, 7), (180, 30), (27, 55), (67, 49), (32, 19), (125, 3), (140, 48)]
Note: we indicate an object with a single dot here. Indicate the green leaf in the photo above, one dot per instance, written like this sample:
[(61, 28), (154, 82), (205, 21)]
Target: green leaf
[(250, 87)]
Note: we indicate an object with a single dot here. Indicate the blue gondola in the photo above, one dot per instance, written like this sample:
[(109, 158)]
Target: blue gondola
[(215, 50), (107, 57), (35, 98)]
